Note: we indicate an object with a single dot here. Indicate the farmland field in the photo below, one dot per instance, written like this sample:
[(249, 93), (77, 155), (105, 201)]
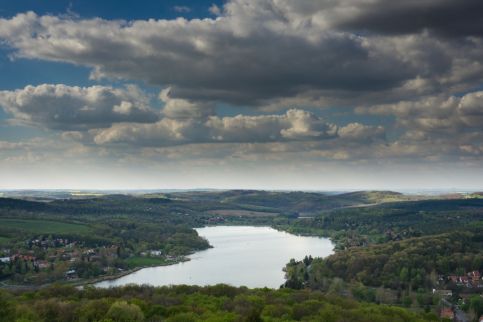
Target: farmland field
[(243, 213), (3, 240), (43, 226), (138, 261)]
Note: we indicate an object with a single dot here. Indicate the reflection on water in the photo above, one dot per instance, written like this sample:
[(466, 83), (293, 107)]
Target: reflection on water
[(242, 255)]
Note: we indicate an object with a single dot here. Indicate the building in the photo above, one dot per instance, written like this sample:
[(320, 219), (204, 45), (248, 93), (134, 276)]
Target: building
[(446, 313), (71, 274), (42, 264), (443, 293), (152, 253), (474, 276)]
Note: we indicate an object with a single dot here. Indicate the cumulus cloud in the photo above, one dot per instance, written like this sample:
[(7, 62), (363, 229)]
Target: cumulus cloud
[(178, 108), (362, 133), (293, 125), (447, 126), (244, 56), (470, 110), (214, 10), (257, 51), (402, 61), (63, 107), (436, 113), (444, 17)]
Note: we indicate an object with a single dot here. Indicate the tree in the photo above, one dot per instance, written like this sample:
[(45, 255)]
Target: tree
[(121, 311), (404, 275), (407, 301), (7, 309), (476, 305), (94, 310)]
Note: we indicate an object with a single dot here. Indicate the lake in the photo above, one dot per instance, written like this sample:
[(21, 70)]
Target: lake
[(241, 256)]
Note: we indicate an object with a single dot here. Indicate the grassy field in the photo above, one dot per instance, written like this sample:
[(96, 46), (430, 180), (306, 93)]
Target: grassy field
[(4, 240), (243, 213), (43, 226), (138, 261)]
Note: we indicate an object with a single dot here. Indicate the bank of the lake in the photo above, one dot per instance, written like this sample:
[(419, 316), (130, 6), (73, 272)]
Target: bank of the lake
[(241, 256)]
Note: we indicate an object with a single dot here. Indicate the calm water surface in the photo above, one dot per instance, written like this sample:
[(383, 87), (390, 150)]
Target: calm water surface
[(242, 255)]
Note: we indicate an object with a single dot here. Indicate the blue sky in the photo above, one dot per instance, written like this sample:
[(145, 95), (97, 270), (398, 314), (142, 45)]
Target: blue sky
[(111, 9), (21, 72), (186, 94), (18, 72)]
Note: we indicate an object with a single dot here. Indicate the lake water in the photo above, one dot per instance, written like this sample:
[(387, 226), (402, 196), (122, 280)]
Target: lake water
[(241, 256)]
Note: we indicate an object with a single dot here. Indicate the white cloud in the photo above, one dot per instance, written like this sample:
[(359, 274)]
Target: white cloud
[(360, 132), (293, 125), (177, 108), (77, 108), (253, 52), (470, 110), (440, 114), (436, 126), (182, 9), (269, 55), (259, 51), (214, 10)]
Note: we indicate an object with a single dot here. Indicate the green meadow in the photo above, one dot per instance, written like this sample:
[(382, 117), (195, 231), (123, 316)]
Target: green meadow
[(138, 261), (4, 240), (40, 226)]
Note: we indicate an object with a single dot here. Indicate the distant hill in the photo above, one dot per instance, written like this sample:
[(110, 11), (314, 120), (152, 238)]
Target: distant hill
[(296, 201), (370, 197), (19, 204), (280, 202)]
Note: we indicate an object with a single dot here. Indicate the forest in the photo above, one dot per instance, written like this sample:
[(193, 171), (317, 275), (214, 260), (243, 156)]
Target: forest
[(412, 264), (193, 303)]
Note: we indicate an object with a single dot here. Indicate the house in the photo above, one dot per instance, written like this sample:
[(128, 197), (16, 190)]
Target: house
[(65, 256), (4, 259), (45, 264), (474, 276), (446, 313), (89, 252), (22, 257), (71, 274), (443, 293), (152, 253), (464, 280), (42, 264), (94, 258), (453, 278)]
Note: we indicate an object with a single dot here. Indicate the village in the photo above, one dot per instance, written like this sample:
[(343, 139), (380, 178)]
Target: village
[(46, 259), (456, 293)]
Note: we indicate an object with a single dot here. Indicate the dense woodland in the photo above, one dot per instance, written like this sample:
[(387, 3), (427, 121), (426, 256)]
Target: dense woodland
[(192, 303), (361, 226), (409, 264), (397, 253)]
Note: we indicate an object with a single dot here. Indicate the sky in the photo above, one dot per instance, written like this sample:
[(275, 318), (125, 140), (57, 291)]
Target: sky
[(251, 94)]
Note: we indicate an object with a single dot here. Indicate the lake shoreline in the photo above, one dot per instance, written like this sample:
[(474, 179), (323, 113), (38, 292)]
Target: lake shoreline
[(89, 281), (237, 251), (127, 272), (185, 258)]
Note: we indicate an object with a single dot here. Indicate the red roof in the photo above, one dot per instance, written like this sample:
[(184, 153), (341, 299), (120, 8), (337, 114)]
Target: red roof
[(447, 313)]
